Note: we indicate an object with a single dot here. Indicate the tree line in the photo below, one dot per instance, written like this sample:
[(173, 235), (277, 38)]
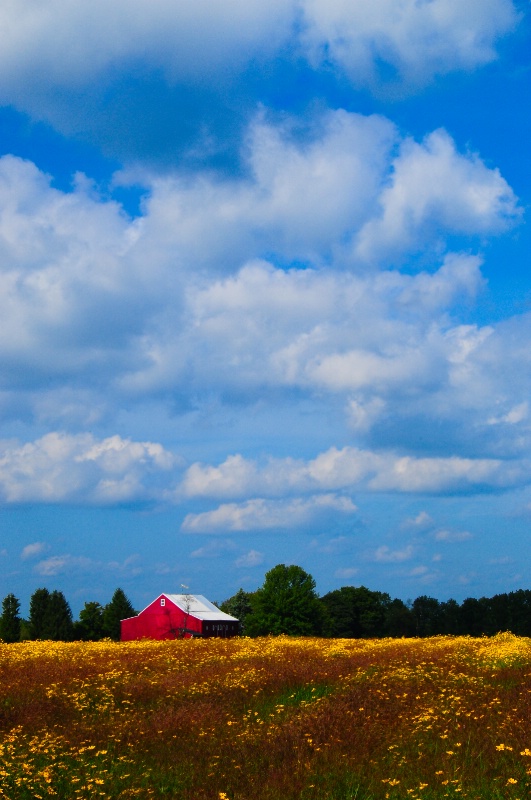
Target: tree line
[(50, 617), (288, 603)]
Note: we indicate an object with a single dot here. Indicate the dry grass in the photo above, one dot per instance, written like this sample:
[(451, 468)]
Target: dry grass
[(267, 719)]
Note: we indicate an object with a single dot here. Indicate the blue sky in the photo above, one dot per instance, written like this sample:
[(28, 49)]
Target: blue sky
[(265, 296)]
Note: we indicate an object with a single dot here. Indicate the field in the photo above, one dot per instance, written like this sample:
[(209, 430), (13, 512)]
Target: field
[(267, 719)]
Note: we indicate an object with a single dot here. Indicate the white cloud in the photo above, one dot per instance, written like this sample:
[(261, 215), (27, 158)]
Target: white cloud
[(420, 571), (129, 567), (58, 565), (345, 573), (63, 468), (251, 559), (517, 414), (106, 313), (417, 40), (422, 520), (69, 564), (452, 536), (386, 555), (434, 188), (213, 549), (32, 550), (116, 310), (261, 514), (71, 44), (331, 546), (59, 44), (353, 469)]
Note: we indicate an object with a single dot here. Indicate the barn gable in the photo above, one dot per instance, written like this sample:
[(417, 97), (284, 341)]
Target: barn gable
[(177, 616)]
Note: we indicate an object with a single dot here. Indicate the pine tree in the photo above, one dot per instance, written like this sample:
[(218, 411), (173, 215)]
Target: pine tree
[(57, 622), (114, 612), (38, 605), (10, 619)]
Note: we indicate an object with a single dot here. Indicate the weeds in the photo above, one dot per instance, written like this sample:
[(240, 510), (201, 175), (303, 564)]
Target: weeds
[(267, 719)]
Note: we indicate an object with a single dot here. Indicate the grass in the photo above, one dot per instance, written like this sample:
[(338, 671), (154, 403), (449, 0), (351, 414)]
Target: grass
[(267, 719)]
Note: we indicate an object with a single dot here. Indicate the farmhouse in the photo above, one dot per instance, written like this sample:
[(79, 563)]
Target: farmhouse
[(177, 616)]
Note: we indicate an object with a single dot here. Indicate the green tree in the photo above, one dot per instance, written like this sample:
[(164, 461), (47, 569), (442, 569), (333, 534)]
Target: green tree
[(57, 622), (473, 615), (10, 619), (26, 633), (114, 612), (450, 617), (38, 605), (428, 616), (286, 603), (357, 612), (239, 606), (400, 621), (89, 627)]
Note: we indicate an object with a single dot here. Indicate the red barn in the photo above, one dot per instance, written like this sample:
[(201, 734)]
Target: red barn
[(177, 616)]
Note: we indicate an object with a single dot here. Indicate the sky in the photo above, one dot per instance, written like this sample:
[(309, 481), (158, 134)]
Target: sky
[(265, 296)]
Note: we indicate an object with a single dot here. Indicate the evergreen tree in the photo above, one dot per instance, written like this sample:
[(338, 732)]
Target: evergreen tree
[(57, 622), (286, 603), (38, 605), (239, 606), (10, 619), (114, 612), (89, 627)]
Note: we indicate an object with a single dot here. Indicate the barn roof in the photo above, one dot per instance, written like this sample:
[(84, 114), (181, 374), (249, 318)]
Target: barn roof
[(198, 606)]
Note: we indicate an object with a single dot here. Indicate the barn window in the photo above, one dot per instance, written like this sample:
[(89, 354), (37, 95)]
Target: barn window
[(163, 601)]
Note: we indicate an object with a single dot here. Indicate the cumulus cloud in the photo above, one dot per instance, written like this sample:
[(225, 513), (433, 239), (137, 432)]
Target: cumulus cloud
[(32, 550), (176, 301), (106, 312), (251, 559), (65, 468), (69, 46), (58, 565), (350, 469), (433, 187), (261, 514), (416, 40), (68, 564), (386, 555)]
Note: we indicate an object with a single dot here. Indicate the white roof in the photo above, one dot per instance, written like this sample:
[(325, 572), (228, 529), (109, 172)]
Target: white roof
[(198, 606)]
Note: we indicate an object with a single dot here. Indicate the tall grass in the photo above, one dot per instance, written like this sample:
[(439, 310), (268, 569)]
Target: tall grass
[(267, 719)]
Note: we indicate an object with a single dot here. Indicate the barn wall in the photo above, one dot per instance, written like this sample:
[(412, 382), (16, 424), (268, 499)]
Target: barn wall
[(159, 623), (168, 621)]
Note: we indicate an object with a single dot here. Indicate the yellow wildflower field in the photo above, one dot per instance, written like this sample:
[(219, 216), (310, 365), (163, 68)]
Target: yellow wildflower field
[(267, 719)]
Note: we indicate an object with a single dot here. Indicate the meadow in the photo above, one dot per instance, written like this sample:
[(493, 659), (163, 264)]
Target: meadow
[(267, 719)]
